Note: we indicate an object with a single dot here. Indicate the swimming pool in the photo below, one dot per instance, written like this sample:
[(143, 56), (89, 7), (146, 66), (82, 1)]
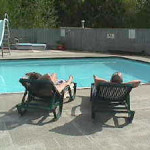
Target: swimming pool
[(82, 69)]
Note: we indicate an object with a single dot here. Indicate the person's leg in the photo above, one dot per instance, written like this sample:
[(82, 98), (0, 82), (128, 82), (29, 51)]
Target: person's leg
[(54, 78), (60, 87), (69, 81)]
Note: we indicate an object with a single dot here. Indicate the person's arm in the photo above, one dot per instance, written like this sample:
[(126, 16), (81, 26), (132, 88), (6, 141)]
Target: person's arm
[(98, 80), (135, 83)]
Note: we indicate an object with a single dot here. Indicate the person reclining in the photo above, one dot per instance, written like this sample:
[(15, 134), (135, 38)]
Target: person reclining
[(59, 84), (117, 77)]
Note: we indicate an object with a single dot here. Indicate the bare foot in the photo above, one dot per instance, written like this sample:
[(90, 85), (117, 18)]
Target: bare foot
[(71, 78), (95, 77)]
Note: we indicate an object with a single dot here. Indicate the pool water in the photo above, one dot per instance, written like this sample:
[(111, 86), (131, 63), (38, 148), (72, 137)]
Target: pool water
[(82, 70)]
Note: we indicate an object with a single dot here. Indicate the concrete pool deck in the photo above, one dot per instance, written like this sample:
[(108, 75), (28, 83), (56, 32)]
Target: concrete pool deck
[(75, 129)]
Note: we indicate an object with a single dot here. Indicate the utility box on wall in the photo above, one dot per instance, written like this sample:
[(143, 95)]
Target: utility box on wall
[(110, 36), (62, 32), (131, 34)]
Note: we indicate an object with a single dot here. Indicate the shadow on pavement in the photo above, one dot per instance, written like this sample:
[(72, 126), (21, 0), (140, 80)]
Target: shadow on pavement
[(78, 123), (11, 119), (82, 124)]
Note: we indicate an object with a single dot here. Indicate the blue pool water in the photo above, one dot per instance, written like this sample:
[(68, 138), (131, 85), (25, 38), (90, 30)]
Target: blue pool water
[(82, 70)]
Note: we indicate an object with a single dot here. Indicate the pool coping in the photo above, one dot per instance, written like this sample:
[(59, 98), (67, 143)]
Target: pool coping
[(82, 57), (78, 88)]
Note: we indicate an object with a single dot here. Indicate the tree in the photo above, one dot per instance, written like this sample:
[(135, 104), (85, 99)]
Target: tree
[(70, 12), (33, 13), (143, 14), (3, 9), (46, 15), (96, 13), (130, 13), (21, 13), (104, 13)]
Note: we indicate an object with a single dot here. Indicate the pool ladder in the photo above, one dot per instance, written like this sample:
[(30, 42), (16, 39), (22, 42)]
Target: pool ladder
[(6, 38)]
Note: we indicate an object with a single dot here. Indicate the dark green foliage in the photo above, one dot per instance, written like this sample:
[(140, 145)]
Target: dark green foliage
[(96, 13), (143, 14), (70, 13), (46, 14), (32, 13), (4, 8), (104, 13)]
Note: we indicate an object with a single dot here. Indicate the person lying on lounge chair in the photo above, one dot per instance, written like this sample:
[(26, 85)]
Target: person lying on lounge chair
[(116, 78), (59, 84)]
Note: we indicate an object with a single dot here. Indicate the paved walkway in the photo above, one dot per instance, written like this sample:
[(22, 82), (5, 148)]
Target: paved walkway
[(75, 129)]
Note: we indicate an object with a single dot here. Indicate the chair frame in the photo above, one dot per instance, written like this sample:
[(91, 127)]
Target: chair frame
[(54, 102), (110, 97)]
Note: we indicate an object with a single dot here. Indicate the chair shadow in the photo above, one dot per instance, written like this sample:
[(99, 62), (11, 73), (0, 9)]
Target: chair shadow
[(11, 119), (82, 124)]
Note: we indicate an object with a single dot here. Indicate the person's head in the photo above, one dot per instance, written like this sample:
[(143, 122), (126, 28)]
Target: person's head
[(33, 75), (117, 77)]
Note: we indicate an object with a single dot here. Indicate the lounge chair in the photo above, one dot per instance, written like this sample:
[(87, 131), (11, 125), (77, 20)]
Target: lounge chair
[(109, 97), (42, 94)]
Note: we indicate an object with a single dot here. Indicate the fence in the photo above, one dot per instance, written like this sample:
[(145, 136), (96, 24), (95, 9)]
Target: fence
[(127, 40), (47, 36)]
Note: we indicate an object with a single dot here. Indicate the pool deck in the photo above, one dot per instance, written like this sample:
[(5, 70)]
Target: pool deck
[(75, 129)]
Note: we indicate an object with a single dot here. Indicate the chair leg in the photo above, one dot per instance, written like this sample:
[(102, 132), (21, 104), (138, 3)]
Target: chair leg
[(130, 113), (21, 110), (55, 116), (57, 112), (71, 98), (72, 93), (24, 96), (131, 116), (93, 115), (91, 92), (92, 110)]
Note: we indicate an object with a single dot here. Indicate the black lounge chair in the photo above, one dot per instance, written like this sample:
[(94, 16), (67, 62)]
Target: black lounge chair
[(110, 97), (42, 94)]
